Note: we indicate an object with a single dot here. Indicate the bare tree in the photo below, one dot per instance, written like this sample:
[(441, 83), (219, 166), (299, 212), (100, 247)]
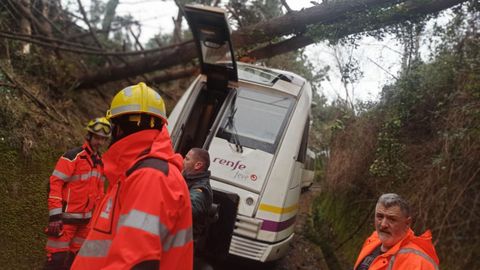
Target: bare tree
[(177, 24), (349, 71), (25, 26), (287, 7), (110, 9)]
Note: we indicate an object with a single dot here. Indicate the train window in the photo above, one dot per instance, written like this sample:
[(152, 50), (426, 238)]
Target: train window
[(256, 75), (257, 119), (213, 52), (302, 152)]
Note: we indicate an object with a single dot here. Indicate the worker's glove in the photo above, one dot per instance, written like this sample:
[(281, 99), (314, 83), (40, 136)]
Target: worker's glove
[(55, 228)]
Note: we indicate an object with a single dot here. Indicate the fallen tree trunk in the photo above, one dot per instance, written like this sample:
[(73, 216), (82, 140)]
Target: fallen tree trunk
[(168, 58), (170, 75), (409, 10), (292, 23)]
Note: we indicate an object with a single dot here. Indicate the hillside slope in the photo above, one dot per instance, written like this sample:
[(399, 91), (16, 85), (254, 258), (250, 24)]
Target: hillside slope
[(421, 141)]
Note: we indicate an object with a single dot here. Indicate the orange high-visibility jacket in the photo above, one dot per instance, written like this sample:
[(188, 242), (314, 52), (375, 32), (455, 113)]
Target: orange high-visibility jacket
[(76, 185), (412, 252), (147, 214)]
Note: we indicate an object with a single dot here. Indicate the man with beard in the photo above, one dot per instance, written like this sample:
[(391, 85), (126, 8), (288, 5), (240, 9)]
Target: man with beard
[(393, 245), (196, 174), (75, 188)]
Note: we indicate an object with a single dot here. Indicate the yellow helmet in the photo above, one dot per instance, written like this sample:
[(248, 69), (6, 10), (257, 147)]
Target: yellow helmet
[(138, 99), (100, 126)]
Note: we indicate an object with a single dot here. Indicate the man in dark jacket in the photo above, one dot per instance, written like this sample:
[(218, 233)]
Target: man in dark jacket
[(196, 174)]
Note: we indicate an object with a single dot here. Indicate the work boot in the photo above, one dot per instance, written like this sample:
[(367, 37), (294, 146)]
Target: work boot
[(69, 260), (56, 261), (201, 264)]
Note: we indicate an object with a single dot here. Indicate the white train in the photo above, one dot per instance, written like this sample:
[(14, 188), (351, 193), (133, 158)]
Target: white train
[(254, 121)]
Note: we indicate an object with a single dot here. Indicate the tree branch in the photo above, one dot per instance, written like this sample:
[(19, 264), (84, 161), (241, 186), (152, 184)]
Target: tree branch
[(47, 20), (40, 104), (265, 31), (411, 8), (137, 41), (177, 29), (89, 51), (109, 16), (287, 7), (90, 29), (170, 75)]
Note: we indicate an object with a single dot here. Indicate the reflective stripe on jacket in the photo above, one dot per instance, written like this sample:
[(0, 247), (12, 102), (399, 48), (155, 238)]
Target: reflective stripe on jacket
[(412, 252), (76, 185), (146, 215)]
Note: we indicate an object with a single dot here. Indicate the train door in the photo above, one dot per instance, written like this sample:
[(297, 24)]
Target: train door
[(214, 90)]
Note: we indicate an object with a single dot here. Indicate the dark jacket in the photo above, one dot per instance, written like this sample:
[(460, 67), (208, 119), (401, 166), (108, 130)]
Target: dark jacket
[(201, 197)]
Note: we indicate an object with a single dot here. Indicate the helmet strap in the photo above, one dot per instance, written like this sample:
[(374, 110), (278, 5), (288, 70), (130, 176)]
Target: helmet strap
[(128, 124)]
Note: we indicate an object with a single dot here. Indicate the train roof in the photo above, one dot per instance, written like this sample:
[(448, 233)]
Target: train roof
[(267, 76)]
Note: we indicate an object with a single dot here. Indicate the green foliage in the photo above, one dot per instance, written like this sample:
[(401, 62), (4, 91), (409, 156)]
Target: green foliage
[(246, 12), (377, 22), (427, 147), (328, 118), (30, 144), (39, 65), (4, 89), (336, 228), (23, 207), (390, 152)]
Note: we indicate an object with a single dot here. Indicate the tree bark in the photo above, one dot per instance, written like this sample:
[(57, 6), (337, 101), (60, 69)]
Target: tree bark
[(262, 32), (177, 25), (24, 9), (109, 16), (163, 60), (25, 26), (297, 21), (175, 74), (292, 23)]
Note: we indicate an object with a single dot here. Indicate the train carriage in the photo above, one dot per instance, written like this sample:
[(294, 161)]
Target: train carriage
[(254, 122)]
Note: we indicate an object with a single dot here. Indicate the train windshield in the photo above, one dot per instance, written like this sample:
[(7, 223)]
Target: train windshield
[(256, 119)]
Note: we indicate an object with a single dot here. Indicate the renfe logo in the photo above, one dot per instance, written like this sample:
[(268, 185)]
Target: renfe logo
[(234, 165)]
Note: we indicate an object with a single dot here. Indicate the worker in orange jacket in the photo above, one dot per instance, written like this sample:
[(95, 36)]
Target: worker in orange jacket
[(76, 186), (393, 245), (145, 219)]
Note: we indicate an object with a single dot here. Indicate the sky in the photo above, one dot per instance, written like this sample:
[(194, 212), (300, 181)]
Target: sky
[(377, 59)]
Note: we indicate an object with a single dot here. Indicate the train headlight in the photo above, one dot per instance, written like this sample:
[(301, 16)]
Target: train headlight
[(249, 201)]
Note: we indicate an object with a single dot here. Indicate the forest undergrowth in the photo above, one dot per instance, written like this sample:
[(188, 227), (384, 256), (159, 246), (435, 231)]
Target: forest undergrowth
[(421, 140)]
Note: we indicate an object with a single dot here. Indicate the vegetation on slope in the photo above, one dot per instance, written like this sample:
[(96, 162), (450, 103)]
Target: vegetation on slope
[(421, 141)]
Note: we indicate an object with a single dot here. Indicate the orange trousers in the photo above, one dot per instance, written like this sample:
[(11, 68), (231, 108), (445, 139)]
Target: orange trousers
[(71, 239)]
